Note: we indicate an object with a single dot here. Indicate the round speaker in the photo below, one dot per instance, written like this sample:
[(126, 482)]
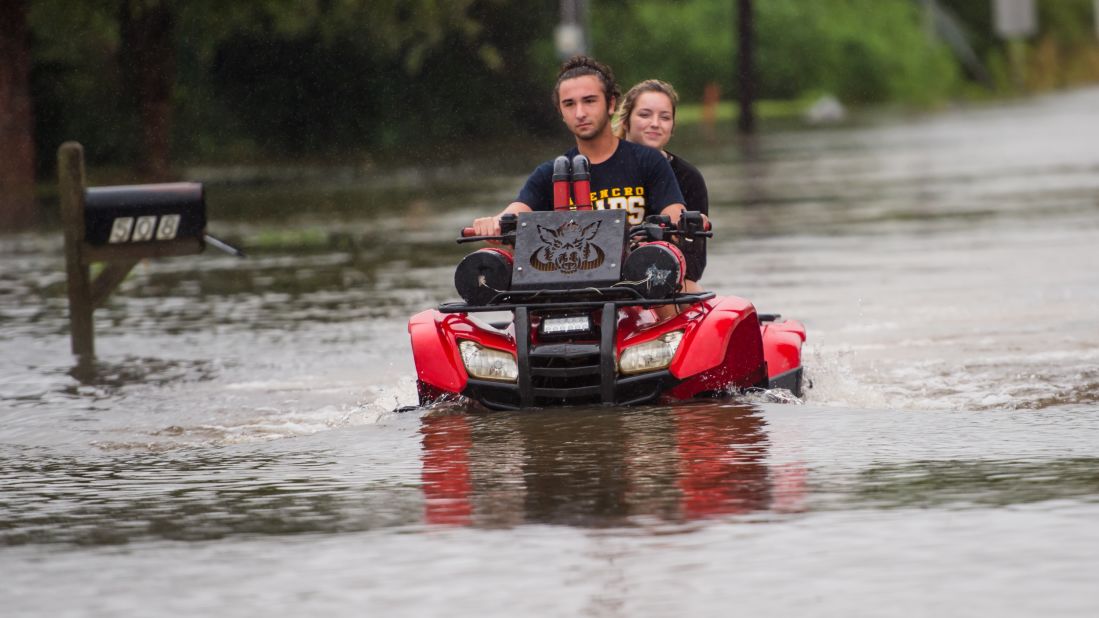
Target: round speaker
[(655, 269), (482, 275)]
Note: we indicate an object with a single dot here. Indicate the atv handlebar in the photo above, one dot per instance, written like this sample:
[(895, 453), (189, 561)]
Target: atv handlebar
[(694, 220), (468, 236), (691, 225), (508, 223)]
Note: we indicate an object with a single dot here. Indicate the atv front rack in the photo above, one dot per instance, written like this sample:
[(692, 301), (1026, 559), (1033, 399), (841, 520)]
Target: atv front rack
[(567, 372), (590, 298), (556, 373)]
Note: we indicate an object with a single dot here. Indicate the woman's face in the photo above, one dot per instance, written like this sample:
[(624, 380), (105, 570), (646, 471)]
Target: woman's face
[(652, 120)]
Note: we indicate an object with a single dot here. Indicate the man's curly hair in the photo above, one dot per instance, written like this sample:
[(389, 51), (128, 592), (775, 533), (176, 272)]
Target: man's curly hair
[(578, 66)]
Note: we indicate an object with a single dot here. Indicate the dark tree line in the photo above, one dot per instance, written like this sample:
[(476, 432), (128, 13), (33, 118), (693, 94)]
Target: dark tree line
[(145, 55), (147, 83)]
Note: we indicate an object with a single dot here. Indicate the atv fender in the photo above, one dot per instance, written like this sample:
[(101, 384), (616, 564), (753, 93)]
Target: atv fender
[(435, 338), (782, 346), (435, 351), (706, 345)]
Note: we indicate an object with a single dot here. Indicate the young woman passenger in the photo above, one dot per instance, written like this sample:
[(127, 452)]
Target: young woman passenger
[(647, 116)]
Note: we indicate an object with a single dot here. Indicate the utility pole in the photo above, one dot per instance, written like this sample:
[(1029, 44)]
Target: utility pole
[(1096, 12), (1016, 20), (746, 77), (572, 35)]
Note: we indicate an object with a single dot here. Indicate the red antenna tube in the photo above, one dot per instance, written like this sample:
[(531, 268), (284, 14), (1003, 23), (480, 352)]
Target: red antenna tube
[(581, 182), (562, 173)]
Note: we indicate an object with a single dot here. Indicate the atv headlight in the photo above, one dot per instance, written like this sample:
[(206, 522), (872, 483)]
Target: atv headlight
[(651, 355), (488, 363)]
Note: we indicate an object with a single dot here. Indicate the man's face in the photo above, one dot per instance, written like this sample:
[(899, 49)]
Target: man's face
[(584, 107)]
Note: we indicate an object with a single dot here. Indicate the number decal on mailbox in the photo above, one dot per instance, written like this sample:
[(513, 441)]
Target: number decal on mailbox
[(121, 229), (144, 229), (169, 225)]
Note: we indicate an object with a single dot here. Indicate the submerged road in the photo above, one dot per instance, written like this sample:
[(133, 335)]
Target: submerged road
[(236, 451)]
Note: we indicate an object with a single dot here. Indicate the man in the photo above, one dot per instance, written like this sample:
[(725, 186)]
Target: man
[(624, 175)]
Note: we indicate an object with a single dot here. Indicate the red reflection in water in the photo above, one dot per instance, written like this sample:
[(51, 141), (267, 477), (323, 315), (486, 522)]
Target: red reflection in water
[(696, 462), (721, 463), (446, 476)]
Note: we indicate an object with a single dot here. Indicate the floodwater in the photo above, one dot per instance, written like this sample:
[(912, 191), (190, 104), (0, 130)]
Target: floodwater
[(238, 449)]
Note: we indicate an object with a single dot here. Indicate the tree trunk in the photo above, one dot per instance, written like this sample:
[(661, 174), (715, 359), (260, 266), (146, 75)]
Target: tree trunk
[(148, 64), (16, 118)]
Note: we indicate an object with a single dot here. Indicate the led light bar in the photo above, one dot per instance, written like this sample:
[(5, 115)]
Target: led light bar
[(567, 325)]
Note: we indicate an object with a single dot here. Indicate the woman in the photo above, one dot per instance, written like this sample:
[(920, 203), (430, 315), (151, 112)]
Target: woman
[(647, 116)]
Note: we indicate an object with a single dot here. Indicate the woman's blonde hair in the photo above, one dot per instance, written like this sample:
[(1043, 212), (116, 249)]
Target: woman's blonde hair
[(630, 99)]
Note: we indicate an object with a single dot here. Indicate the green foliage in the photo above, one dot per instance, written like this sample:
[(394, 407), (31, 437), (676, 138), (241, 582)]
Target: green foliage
[(352, 73), (1071, 22), (1064, 51), (278, 79), (688, 43), (287, 78), (861, 50), (74, 81)]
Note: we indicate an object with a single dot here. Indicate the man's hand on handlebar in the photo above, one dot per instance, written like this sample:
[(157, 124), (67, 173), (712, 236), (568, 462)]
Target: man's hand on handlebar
[(486, 226), (490, 226), (676, 210), (692, 221)]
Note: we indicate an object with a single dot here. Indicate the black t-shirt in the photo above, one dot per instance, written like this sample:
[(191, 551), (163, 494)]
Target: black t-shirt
[(697, 198), (691, 184), (636, 178)]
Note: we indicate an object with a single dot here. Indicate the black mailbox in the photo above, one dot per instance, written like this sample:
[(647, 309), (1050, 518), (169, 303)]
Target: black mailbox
[(568, 249), (118, 227), (144, 213)]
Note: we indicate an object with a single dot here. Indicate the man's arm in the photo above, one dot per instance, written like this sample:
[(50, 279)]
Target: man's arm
[(535, 191), (673, 211), (490, 226)]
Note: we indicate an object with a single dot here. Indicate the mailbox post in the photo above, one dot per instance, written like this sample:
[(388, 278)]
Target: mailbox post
[(118, 226), (70, 172)]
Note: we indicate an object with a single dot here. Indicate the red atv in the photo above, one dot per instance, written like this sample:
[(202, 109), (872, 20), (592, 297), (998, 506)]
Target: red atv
[(579, 285)]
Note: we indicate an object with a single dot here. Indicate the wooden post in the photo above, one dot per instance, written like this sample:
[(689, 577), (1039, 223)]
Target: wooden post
[(71, 182), (746, 82)]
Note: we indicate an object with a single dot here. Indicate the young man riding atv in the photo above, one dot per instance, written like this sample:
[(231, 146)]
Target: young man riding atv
[(624, 175), (593, 277)]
